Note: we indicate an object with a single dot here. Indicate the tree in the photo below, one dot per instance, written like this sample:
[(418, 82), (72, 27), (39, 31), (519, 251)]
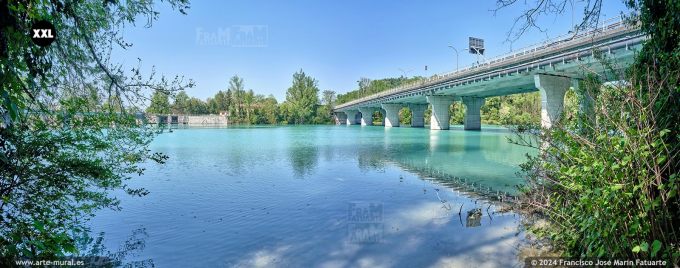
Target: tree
[(405, 116), (270, 110), (302, 98), (265, 110), (248, 100), (532, 14), (222, 102), (364, 85), (328, 98), (179, 106), (160, 103), (236, 91), (323, 112), (83, 155), (196, 106)]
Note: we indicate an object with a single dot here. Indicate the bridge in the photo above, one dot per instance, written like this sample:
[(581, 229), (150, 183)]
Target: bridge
[(551, 68)]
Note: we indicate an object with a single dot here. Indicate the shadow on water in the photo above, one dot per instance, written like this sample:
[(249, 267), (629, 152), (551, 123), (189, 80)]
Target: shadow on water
[(412, 235)]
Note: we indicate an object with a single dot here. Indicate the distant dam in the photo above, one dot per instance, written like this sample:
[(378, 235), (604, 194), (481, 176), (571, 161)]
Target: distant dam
[(188, 120)]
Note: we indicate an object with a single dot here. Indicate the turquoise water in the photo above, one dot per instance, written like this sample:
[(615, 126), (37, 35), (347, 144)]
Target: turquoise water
[(324, 196)]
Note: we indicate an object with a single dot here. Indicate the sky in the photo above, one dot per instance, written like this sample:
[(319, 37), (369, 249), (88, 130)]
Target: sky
[(336, 42)]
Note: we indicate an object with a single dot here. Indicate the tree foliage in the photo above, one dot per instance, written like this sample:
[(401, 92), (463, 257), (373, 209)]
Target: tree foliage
[(248, 107), (367, 87), (68, 135), (302, 99), (160, 103)]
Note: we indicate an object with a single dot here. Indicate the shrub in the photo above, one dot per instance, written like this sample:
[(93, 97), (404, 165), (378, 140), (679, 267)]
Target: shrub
[(607, 183)]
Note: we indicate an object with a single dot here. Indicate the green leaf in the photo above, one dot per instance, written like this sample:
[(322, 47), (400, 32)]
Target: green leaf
[(636, 249), (39, 244), (656, 246), (39, 225), (644, 246), (70, 248)]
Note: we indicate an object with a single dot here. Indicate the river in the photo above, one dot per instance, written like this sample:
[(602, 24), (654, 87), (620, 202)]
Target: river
[(324, 196)]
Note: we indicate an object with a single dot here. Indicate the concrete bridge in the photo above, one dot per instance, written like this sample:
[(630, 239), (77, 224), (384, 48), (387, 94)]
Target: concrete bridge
[(550, 67)]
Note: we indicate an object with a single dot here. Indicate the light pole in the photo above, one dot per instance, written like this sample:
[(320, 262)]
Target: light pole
[(456, 50)]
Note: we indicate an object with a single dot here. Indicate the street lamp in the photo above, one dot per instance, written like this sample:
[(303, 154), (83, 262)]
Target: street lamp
[(456, 50)]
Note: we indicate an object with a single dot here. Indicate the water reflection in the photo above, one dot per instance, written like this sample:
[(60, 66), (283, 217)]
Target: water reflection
[(473, 141), (303, 158), (371, 159), (235, 162), (480, 163), (474, 218), (434, 142), (98, 255)]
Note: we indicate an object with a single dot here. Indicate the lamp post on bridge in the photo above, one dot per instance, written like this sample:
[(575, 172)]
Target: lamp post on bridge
[(456, 50)]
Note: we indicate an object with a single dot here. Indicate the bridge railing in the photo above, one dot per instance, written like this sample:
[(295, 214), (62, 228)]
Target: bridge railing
[(610, 25)]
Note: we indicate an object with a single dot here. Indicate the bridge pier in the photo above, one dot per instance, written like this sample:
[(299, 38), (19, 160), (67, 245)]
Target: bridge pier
[(340, 118), (382, 114), (439, 120), (552, 89), (391, 114), (351, 116), (366, 116), (473, 117), (417, 114)]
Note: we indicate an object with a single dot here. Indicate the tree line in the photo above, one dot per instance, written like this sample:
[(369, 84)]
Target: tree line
[(303, 105), (368, 87)]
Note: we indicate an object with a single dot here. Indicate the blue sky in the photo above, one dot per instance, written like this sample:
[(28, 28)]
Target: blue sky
[(336, 42)]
